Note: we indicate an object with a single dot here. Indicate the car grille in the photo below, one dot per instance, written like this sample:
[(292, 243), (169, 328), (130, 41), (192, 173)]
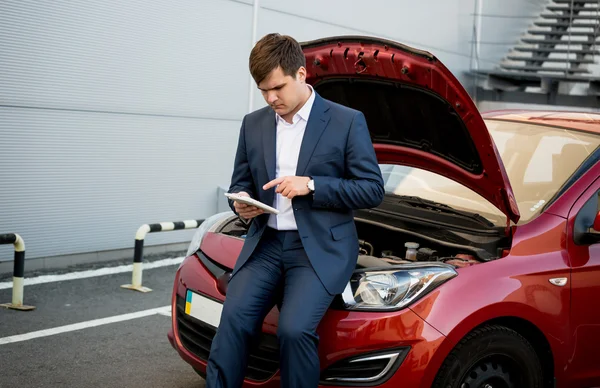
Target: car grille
[(196, 336)]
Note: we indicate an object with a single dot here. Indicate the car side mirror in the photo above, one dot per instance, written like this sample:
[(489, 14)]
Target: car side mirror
[(592, 236), (587, 230)]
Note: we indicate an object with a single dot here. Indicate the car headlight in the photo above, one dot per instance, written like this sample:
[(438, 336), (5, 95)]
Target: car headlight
[(394, 288), (204, 227)]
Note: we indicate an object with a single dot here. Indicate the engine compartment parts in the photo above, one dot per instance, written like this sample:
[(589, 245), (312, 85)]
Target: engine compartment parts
[(411, 251), (366, 261), (461, 260), (362, 250), (395, 260), (390, 230), (368, 257), (426, 254)]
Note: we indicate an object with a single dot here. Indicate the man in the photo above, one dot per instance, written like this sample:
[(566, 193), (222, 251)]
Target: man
[(313, 160)]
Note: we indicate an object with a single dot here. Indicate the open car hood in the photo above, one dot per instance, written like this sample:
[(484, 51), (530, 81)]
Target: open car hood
[(418, 113)]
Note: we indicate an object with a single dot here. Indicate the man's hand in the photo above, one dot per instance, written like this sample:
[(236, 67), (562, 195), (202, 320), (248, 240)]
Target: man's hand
[(289, 186), (246, 211)]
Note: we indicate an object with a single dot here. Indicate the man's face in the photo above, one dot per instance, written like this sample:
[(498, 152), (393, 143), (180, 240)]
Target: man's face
[(282, 92)]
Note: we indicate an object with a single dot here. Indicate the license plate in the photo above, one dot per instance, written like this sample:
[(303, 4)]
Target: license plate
[(203, 309)]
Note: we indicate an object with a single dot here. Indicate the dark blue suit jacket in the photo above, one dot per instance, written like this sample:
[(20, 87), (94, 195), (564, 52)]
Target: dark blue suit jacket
[(337, 153)]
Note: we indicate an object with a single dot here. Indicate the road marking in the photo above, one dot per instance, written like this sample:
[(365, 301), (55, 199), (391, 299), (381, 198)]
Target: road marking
[(166, 313), (93, 273), (85, 325)]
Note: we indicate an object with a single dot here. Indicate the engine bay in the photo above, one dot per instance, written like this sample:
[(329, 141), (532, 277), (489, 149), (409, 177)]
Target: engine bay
[(409, 252), (376, 250), (383, 244)]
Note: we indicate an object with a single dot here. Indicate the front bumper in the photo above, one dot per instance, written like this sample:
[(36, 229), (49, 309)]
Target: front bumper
[(344, 338)]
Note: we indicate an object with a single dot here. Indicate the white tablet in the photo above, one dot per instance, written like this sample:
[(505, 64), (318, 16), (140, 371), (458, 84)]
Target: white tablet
[(253, 202)]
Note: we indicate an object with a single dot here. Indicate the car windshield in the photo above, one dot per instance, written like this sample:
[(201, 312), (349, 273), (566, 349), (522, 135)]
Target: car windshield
[(538, 160)]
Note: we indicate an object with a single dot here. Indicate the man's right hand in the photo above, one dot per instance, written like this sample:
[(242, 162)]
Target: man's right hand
[(246, 211)]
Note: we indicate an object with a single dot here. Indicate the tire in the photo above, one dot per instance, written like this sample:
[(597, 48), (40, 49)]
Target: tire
[(491, 357)]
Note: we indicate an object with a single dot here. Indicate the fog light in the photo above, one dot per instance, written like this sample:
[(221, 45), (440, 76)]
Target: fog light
[(367, 369)]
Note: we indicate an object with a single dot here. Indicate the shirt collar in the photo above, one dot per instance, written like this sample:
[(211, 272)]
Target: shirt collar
[(304, 112)]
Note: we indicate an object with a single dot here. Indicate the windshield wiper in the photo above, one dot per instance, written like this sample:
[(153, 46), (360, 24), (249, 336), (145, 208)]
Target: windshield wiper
[(418, 202)]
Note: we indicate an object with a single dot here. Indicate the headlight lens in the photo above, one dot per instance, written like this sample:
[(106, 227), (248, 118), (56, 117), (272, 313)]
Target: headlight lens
[(202, 229), (393, 289)]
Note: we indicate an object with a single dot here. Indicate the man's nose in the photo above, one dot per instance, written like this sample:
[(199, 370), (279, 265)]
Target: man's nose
[(271, 97)]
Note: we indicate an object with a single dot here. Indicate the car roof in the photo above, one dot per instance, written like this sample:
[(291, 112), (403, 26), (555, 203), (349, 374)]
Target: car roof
[(581, 121)]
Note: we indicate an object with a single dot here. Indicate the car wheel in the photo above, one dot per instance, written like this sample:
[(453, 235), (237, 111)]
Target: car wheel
[(491, 357)]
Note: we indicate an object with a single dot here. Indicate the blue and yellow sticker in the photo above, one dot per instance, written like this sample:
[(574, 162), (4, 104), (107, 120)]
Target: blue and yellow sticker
[(188, 302)]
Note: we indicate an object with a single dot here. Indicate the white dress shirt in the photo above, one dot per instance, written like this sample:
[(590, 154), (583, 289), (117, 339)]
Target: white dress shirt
[(288, 142)]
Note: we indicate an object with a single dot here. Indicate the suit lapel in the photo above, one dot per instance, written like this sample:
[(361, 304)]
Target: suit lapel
[(318, 120), (269, 135)]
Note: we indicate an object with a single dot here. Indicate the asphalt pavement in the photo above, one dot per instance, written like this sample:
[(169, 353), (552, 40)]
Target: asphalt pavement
[(92, 333)]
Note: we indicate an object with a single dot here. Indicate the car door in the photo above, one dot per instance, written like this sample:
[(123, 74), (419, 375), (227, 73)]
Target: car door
[(584, 250)]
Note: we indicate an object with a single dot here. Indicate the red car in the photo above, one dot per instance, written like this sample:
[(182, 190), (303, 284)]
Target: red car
[(480, 269)]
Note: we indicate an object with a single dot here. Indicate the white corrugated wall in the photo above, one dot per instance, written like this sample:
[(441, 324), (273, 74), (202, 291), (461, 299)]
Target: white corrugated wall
[(114, 114)]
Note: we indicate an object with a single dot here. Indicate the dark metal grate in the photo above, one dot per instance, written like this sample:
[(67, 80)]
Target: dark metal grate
[(359, 370), (367, 369), (196, 336)]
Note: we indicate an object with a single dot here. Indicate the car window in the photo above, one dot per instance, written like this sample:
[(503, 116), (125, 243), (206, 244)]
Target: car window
[(543, 165), (591, 230), (586, 216)]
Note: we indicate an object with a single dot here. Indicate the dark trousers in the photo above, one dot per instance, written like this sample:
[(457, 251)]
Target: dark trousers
[(278, 267)]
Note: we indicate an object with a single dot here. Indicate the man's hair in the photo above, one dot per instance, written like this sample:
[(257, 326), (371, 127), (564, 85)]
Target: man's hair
[(275, 50)]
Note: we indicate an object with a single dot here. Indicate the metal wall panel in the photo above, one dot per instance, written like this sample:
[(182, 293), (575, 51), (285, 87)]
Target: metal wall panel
[(74, 182), (114, 114), (185, 58), (438, 25)]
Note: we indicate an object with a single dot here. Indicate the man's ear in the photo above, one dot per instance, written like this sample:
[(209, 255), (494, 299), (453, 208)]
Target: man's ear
[(301, 74)]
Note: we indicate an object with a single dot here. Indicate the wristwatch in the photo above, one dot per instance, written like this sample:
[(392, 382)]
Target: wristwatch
[(311, 185)]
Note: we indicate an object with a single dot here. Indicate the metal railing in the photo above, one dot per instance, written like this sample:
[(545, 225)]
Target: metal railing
[(18, 272), (136, 276)]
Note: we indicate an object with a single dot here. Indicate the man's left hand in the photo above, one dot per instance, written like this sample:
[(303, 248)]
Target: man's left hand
[(289, 186)]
